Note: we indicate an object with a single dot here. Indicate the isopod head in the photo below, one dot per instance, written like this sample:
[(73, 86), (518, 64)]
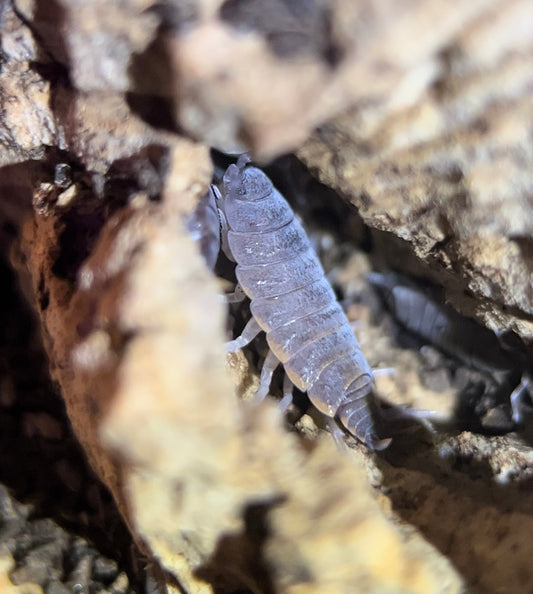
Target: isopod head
[(249, 184)]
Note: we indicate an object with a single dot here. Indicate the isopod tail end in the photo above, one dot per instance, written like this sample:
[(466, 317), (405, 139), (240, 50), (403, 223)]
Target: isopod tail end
[(379, 444), (356, 416), (373, 442)]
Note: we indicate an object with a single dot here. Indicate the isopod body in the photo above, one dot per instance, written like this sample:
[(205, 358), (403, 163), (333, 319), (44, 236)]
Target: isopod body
[(291, 300), (203, 226), (421, 312)]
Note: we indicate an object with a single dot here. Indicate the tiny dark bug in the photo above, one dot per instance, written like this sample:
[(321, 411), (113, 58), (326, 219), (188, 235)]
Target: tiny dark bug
[(293, 303)]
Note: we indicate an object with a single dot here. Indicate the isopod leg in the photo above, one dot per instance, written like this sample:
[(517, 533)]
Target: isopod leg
[(251, 330), (288, 386), (517, 399), (269, 366), (397, 414), (242, 161), (383, 371), (237, 296), (337, 434)]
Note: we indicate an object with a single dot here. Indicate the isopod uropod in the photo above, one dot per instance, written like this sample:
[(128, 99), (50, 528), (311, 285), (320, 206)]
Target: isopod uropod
[(420, 312), (291, 300)]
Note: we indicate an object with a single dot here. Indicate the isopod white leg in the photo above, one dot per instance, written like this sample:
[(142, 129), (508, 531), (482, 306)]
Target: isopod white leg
[(285, 402), (383, 371), (237, 296), (517, 401), (251, 330), (269, 366), (337, 434), (399, 413)]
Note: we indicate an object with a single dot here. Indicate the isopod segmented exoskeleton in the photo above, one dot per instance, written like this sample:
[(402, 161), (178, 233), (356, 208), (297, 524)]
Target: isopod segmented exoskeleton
[(203, 226), (420, 312), (291, 300)]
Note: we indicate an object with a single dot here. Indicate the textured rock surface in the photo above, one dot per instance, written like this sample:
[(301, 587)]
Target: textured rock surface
[(220, 495), (7, 587), (430, 140), (449, 171), (451, 498)]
